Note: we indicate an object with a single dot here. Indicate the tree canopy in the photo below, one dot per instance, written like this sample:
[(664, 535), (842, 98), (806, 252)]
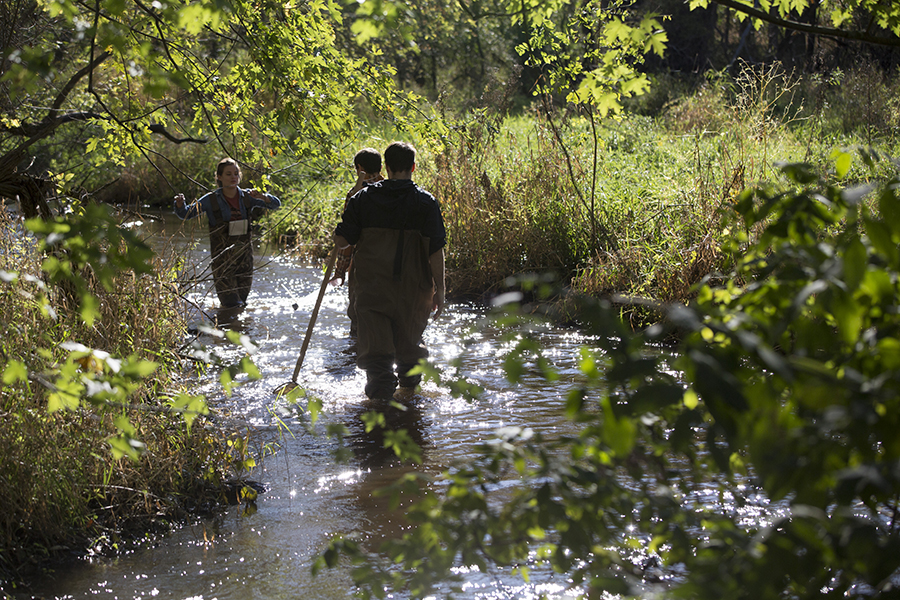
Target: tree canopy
[(865, 21), (261, 79)]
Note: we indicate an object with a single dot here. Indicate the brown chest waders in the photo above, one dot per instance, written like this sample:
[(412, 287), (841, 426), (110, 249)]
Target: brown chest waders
[(232, 260), (394, 298)]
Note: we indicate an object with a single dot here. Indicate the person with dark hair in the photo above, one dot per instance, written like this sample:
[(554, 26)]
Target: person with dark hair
[(367, 163), (229, 210), (399, 234)]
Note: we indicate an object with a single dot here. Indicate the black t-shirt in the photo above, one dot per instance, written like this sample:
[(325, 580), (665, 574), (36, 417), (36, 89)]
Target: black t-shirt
[(394, 204)]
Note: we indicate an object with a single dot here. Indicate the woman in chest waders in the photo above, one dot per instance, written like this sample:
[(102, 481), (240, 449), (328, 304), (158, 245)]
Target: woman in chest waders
[(228, 209)]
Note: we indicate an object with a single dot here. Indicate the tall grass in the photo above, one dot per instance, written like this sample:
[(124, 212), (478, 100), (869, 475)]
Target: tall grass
[(61, 486), (515, 192)]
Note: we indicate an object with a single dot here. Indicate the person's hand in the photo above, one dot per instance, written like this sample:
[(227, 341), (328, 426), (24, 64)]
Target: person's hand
[(438, 304), (179, 200), (255, 193)]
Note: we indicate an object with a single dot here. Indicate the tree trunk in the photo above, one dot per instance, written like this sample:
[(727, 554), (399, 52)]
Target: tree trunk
[(29, 191)]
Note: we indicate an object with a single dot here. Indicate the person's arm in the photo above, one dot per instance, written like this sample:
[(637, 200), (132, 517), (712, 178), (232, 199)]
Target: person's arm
[(437, 271), (340, 241), (267, 201), (360, 184), (362, 179), (185, 211)]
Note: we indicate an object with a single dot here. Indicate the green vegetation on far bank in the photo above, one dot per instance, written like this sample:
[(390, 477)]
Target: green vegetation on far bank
[(630, 206)]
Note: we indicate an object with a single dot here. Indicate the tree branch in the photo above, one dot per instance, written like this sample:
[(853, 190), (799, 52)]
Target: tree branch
[(807, 28), (157, 128), (70, 85), (49, 123), (39, 131)]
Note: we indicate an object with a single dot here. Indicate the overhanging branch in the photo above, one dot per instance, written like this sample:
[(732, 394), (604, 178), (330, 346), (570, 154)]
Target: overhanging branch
[(857, 36), (50, 123)]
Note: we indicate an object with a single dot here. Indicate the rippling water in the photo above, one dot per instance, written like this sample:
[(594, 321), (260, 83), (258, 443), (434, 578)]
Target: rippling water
[(309, 496)]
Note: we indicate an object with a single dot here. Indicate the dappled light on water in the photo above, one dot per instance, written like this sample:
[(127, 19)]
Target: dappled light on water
[(309, 496)]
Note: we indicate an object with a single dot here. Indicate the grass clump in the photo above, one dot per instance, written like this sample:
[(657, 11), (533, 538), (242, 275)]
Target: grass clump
[(635, 206)]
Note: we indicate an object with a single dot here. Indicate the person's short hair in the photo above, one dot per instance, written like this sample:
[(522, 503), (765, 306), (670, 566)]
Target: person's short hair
[(369, 160), (400, 157), (220, 168)]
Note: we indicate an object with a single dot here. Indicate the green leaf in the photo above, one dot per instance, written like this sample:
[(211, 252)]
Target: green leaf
[(249, 367), (848, 315), (855, 261), (194, 17), (227, 381), (90, 309), (618, 433), (690, 399), (314, 407), (124, 445), (124, 425), (889, 208), (843, 160), (14, 372), (138, 368), (882, 239), (242, 340)]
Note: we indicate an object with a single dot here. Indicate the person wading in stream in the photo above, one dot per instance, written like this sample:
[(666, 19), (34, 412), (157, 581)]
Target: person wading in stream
[(367, 163), (398, 271), (229, 210)]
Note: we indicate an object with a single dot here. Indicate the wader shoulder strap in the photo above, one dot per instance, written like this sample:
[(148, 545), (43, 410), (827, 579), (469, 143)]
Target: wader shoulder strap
[(398, 253), (217, 210)]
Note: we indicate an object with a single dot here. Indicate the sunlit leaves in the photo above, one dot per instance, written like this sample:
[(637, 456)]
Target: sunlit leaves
[(189, 406), (459, 385), (194, 17), (56, 8), (836, 347), (249, 68), (842, 162), (244, 366), (89, 239), (364, 30), (125, 445), (841, 13), (403, 445), (67, 389), (591, 58), (14, 372)]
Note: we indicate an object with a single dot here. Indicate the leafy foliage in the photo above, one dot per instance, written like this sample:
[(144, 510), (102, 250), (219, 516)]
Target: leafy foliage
[(591, 57), (82, 404), (264, 81), (841, 13)]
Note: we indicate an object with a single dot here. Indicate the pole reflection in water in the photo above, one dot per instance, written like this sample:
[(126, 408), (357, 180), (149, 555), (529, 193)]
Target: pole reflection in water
[(310, 497)]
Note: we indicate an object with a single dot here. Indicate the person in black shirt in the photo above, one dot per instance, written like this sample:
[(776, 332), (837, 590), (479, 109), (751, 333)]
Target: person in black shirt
[(398, 271)]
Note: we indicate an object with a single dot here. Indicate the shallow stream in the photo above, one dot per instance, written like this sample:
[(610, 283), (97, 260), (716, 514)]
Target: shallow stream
[(310, 496)]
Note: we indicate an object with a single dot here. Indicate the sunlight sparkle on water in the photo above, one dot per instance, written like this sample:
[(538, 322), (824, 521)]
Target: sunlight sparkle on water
[(346, 477)]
